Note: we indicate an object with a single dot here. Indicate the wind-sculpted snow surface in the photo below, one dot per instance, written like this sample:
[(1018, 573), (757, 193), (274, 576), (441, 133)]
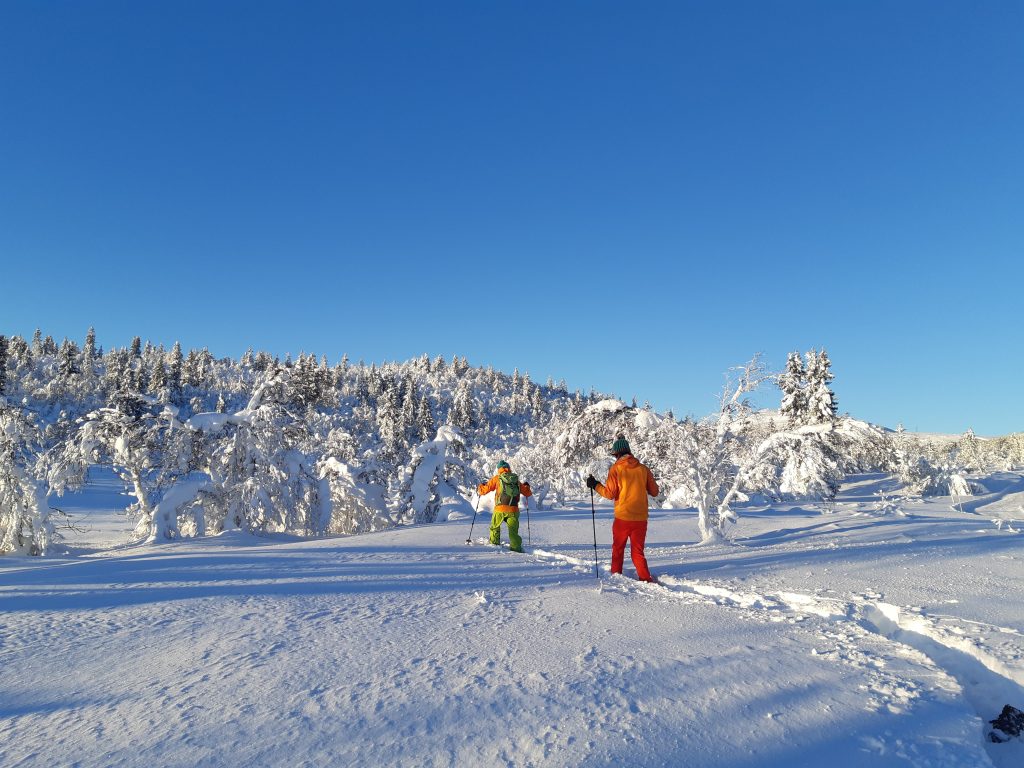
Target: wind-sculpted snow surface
[(847, 639)]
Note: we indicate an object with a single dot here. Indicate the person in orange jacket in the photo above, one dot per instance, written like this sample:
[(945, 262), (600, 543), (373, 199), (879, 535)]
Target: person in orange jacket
[(629, 484), (506, 504)]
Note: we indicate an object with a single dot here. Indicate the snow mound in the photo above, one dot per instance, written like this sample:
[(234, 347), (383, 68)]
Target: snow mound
[(606, 406)]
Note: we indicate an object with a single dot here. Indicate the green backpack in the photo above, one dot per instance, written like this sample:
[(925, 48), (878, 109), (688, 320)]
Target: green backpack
[(508, 489)]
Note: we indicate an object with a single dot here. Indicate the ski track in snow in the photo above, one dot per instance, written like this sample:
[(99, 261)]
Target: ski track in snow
[(986, 661), (404, 649)]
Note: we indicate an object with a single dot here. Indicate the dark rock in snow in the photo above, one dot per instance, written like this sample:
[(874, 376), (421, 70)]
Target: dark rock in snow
[(1008, 725)]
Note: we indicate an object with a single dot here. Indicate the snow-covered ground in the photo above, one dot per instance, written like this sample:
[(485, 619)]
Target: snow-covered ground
[(860, 637)]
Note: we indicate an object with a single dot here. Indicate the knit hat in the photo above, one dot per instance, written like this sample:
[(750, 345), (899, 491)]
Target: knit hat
[(621, 445), (503, 465)]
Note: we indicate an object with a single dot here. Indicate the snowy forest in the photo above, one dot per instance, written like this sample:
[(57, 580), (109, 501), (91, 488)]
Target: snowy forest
[(204, 444)]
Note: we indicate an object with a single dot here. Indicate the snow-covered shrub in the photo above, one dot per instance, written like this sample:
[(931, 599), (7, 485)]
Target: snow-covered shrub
[(357, 506), (424, 482)]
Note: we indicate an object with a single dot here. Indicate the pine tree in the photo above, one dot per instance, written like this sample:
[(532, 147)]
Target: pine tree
[(822, 404), (389, 419), (425, 420), (3, 365), (174, 372), (136, 349), (409, 406), (537, 407), (793, 383), (89, 352), (462, 411), (67, 363), (158, 379)]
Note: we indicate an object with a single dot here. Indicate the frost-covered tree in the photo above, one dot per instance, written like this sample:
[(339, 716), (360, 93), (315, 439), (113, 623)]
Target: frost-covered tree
[(25, 524), (125, 436), (425, 427), (424, 485), (822, 404), (3, 365), (969, 451), (261, 478), (175, 373), (158, 381), (463, 410), (808, 464), (89, 353), (722, 461), (68, 359), (793, 383)]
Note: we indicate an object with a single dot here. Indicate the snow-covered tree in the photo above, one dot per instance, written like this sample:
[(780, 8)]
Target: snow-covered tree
[(463, 409), (969, 451), (3, 365), (793, 383), (722, 462), (808, 464), (25, 524), (175, 373), (822, 404), (424, 484), (125, 436), (89, 353)]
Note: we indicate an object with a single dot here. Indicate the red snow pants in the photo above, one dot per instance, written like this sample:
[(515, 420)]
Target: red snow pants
[(636, 532)]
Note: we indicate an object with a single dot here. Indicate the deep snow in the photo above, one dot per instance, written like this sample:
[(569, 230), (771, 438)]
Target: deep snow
[(851, 638)]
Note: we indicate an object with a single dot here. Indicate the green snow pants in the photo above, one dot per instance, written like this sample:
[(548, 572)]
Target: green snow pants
[(512, 520)]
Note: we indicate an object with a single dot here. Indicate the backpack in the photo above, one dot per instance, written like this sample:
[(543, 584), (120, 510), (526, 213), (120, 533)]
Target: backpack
[(508, 489)]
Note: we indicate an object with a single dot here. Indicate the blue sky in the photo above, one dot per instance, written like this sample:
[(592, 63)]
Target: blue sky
[(630, 196)]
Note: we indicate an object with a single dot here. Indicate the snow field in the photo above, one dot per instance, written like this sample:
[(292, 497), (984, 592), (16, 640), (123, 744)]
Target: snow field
[(843, 639)]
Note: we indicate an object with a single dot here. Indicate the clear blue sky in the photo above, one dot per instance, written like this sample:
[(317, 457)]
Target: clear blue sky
[(630, 196)]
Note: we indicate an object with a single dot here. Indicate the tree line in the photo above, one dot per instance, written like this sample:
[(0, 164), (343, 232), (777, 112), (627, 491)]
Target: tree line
[(203, 444)]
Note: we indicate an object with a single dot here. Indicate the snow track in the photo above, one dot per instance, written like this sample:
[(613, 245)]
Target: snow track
[(986, 680)]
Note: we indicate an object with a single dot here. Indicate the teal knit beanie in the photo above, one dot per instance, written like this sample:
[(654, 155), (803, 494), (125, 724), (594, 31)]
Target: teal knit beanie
[(503, 465), (621, 445)]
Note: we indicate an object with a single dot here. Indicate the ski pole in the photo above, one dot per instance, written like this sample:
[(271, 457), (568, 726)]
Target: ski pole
[(593, 518), (475, 511), (529, 538)]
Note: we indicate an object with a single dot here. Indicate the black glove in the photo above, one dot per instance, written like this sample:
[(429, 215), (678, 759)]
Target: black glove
[(591, 482)]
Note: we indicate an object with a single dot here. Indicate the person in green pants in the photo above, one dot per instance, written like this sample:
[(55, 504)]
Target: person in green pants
[(508, 489)]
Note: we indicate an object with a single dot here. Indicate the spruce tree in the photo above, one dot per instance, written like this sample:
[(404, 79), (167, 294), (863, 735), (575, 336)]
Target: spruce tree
[(89, 352), (174, 371), (793, 383), (67, 363), (158, 379), (3, 364), (425, 420), (461, 414), (822, 404)]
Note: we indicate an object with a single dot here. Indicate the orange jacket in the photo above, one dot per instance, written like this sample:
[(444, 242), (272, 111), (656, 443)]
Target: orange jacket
[(483, 490), (629, 484)]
